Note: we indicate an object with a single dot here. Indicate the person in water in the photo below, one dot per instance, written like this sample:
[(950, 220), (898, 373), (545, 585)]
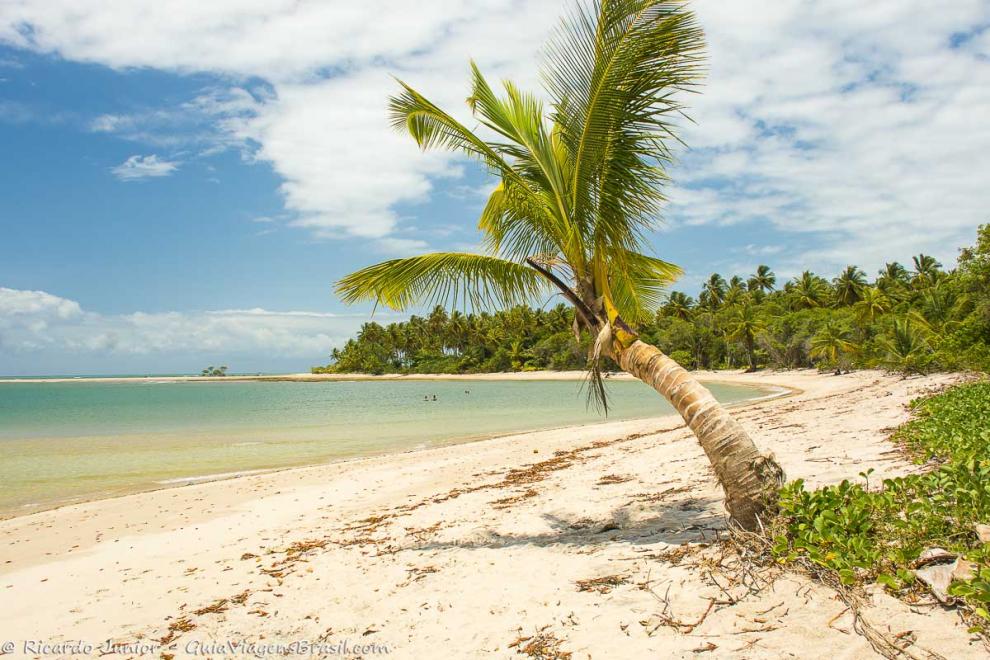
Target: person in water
[(434, 397)]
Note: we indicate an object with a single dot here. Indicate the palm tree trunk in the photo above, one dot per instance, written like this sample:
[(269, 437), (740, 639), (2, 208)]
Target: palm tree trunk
[(750, 479)]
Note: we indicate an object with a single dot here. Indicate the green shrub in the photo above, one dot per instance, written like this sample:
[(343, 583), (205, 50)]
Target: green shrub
[(683, 358), (865, 534)]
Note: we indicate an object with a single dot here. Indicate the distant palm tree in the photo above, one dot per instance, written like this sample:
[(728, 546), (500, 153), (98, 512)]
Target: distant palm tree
[(745, 326), (849, 285), (872, 303), (580, 188), (831, 343), (762, 280), (808, 290), (736, 294), (906, 348), (926, 271), (678, 305), (714, 290)]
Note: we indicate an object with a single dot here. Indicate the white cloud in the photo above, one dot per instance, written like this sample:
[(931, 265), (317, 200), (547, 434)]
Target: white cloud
[(858, 123), (143, 167), (39, 322), (322, 124), (762, 250)]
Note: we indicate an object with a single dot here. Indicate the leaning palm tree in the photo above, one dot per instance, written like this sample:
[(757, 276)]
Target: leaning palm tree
[(580, 185)]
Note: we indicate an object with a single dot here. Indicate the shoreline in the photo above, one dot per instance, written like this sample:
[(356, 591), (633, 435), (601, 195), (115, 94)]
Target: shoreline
[(408, 549), (780, 391), (318, 378)]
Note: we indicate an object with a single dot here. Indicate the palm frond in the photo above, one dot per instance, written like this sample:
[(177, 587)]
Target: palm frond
[(638, 284), (537, 154), (431, 127), (443, 278), (516, 223), (615, 70)]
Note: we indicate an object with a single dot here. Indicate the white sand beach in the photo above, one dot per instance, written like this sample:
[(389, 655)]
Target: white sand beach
[(593, 540)]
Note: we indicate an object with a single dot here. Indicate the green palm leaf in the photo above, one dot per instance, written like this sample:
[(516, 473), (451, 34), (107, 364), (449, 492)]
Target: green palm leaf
[(614, 69), (443, 278)]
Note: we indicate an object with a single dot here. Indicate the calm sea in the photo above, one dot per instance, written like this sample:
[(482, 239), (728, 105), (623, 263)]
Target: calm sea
[(66, 442)]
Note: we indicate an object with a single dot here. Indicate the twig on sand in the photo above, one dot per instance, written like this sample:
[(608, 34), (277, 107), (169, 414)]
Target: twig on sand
[(666, 619), (835, 618)]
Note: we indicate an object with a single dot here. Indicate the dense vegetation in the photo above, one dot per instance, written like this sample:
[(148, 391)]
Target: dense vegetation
[(912, 319), (877, 535)]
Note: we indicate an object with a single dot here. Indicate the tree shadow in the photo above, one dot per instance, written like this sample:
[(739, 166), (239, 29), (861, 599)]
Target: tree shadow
[(689, 520)]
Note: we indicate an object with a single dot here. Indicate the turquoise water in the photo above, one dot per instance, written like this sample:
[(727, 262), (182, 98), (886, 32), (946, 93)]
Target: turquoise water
[(65, 442)]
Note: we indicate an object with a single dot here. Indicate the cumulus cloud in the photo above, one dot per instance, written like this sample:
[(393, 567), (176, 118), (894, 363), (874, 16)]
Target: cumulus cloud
[(860, 125), (33, 322), (143, 167), (863, 126), (321, 120)]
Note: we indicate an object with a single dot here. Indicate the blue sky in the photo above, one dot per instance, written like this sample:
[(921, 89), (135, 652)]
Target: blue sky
[(181, 186)]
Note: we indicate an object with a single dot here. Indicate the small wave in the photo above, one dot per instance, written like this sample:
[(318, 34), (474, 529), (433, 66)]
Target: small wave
[(208, 477)]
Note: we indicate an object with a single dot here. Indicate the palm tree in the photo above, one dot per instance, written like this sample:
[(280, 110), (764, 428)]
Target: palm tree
[(678, 305), (714, 290), (580, 186), (872, 303), (926, 271), (808, 290), (893, 279), (905, 348), (849, 285), (736, 293), (893, 272), (745, 326), (762, 280), (831, 343)]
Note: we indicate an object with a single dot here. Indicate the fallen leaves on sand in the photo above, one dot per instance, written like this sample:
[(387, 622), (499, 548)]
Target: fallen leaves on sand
[(175, 629), (507, 502), (417, 573), (214, 608), (543, 646), (602, 585), (421, 534), (614, 479)]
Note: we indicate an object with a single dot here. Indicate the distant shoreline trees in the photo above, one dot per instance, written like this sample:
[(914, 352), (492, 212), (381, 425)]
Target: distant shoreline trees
[(914, 320)]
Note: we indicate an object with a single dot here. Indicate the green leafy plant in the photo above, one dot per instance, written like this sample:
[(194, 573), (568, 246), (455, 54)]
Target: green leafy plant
[(866, 534)]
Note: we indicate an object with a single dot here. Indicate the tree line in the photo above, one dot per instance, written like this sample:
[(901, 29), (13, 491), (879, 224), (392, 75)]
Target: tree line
[(912, 318)]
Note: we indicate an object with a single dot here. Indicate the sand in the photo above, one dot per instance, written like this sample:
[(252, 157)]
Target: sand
[(591, 540)]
